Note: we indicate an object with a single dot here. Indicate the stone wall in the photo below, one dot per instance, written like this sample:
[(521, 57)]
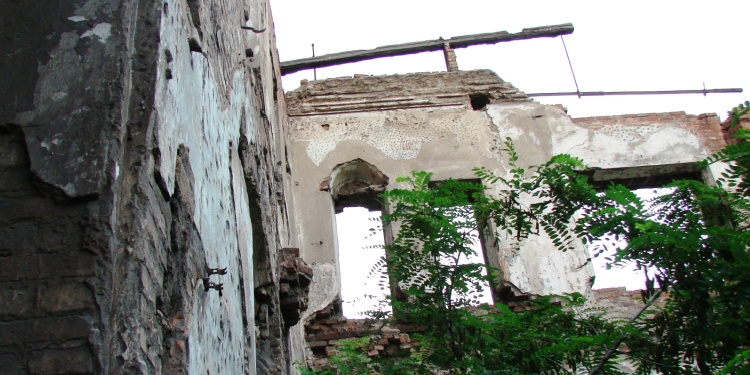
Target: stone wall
[(142, 189)]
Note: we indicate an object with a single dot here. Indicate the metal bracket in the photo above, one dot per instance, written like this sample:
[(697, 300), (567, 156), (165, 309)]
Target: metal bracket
[(217, 271), (207, 285)]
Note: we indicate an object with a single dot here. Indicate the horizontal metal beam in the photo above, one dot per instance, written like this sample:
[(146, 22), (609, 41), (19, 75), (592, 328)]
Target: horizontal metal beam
[(424, 46), (662, 92)]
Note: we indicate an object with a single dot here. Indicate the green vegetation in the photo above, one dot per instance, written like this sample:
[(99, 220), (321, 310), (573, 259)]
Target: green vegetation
[(695, 238)]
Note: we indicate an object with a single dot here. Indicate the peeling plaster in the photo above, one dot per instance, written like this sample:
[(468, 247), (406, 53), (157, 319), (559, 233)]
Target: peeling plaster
[(324, 289), (103, 31), (398, 134), (70, 190), (618, 146)]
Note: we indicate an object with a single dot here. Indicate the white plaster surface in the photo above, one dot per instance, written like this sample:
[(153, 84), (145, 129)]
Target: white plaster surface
[(324, 288), (202, 107), (399, 134)]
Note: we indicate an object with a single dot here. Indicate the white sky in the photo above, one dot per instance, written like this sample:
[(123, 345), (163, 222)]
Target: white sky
[(353, 226), (357, 230), (616, 45)]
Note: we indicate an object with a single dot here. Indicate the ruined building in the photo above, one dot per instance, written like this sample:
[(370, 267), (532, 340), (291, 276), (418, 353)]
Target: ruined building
[(165, 208)]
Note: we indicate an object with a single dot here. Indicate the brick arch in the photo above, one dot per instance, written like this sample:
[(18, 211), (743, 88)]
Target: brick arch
[(357, 183)]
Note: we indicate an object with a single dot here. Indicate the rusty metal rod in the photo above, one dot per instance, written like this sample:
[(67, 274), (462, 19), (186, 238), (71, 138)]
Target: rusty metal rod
[(424, 46), (662, 92)]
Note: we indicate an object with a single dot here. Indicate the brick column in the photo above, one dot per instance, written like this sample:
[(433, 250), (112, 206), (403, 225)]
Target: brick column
[(450, 58)]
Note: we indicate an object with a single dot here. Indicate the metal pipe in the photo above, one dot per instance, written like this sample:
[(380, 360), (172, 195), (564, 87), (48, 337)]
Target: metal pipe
[(661, 92)]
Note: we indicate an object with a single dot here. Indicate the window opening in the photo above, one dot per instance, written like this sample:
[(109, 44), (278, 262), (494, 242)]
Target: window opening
[(465, 221), (355, 187), (361, 246), (483, 294), (464, 218), (627, 275)]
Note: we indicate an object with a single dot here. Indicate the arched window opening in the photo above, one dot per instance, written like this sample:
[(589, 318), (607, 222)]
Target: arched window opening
[(355, 187)]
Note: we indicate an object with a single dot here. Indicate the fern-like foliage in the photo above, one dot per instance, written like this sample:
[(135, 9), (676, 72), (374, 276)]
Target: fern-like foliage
[(438, 223), (547, 196)]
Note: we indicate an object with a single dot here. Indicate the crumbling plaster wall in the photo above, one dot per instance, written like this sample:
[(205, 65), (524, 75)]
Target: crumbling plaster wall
[(142, 142), (425, 122)]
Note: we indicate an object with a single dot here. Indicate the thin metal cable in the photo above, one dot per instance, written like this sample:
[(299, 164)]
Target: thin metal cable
[(571, 66)]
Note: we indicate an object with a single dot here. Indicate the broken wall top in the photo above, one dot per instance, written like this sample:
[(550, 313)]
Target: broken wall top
[(375, 93)]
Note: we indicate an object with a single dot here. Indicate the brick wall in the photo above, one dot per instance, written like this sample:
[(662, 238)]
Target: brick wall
[(327, 327), (140, 147), (619, 302), (323, 331), (46, 303)]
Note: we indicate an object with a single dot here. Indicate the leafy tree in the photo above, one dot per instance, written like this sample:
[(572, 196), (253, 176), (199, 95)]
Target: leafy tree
[(695, 239)]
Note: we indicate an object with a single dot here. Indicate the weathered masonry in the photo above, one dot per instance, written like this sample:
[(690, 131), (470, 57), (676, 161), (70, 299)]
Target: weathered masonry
[(142, 190), (351, 136), (161, 198)]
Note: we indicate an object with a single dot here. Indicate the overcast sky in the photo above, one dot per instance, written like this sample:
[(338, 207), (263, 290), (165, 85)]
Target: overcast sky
[(617, 45)]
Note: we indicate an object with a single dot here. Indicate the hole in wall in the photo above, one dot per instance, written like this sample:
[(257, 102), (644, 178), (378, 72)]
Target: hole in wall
[(357, 184), (326, 126), (479, 100), (479, 239)]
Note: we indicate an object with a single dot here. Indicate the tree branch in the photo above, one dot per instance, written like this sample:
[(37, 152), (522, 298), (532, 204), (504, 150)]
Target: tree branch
[(613, 350)]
